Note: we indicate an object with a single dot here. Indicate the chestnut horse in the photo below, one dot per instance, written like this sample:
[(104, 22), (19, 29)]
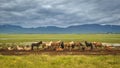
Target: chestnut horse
[(58, 44), (97, 44), (78, 45)]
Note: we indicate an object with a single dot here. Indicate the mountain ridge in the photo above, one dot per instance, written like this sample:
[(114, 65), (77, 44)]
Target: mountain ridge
[(86, 28)]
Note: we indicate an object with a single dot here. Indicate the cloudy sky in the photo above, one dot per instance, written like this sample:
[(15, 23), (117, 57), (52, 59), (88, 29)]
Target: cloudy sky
[(61, 13)]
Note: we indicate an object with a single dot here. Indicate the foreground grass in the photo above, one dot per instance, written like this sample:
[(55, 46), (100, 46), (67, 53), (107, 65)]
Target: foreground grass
[(110, 38), (68, 61)]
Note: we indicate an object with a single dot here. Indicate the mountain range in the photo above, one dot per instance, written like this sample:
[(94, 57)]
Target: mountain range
[(77, 29)]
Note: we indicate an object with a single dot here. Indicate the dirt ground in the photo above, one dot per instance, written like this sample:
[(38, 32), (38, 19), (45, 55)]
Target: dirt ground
[(65, 52)]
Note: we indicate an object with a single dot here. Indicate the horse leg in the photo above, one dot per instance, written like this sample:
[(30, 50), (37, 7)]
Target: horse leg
[(37, 47), (31, 47), (43, 46), (91, 47), (70, 48), (83, 48), (73, 46), (79, 46), (96, 46)]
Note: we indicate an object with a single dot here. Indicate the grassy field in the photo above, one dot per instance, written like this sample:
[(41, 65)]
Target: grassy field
[(111, 38), (46, 61), (59, 61)]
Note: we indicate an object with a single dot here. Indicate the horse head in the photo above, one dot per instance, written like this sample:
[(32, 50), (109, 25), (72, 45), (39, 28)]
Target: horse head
[(40, 42), (86, 42)]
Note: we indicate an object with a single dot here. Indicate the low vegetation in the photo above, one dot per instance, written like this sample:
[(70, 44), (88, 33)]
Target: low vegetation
[(58, 61), (110, 38), (62, 61)]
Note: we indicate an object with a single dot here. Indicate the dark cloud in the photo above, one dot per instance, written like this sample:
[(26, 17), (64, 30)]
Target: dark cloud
[(62, 13)]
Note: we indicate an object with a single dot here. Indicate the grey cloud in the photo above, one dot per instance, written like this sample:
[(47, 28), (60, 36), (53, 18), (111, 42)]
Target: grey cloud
[(62, 13)]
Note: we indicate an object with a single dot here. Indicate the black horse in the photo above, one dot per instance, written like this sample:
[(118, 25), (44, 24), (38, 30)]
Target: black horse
[(89, 44), (36, 44), (62, 45)]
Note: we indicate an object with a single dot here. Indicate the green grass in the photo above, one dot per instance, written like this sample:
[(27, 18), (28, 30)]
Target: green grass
[(62, 61), (110, 38), (68, 61)]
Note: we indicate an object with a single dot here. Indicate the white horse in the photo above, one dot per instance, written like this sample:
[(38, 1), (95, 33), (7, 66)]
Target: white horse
[(19, 48), (72, 45), (27, 48), (47, 44)]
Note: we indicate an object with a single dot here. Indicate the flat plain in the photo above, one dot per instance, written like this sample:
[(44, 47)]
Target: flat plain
[(108, 38), (45, 60)]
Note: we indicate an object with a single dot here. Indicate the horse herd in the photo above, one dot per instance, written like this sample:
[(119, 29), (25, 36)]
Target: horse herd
[(60, 46)]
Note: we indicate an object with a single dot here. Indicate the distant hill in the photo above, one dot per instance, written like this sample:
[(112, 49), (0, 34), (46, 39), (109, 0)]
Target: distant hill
[(86, 28)]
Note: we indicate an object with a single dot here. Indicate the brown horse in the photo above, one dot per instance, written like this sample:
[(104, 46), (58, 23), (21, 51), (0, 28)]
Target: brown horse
[(97, 44), (69, 45), (58, 44), (66, 45), (59, 49), (78, 45), (36, 44)]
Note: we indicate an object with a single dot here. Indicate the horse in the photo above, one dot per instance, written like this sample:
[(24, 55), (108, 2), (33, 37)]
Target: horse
[(47, 45), (55, 45), (81, 46), (72, 44), (27, 48), (66, 45), (10, 48), (108, 47), (20, 47), (89, 44), (59, 49), (58, 44), (78, 45), (97, 44), (35, 44), (62, 44), (69, 45)]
